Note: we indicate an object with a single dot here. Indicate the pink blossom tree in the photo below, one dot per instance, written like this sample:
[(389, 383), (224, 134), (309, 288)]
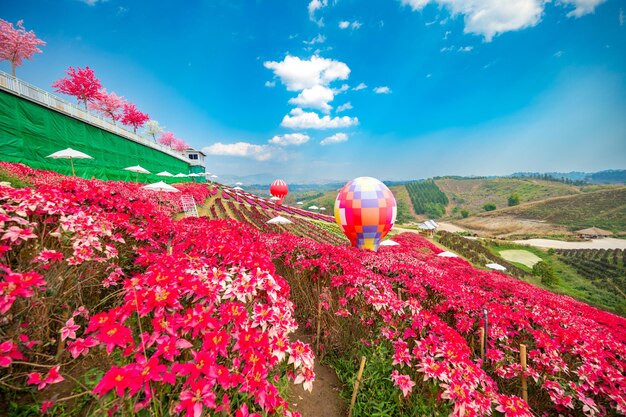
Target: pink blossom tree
[(109, 105), (179, 145), (80, 83), (167, 138), (133, 117), (16, 44)]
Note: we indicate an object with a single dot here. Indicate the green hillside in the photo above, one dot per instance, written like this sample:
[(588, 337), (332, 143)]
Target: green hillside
[(473, 193), (605, 209)]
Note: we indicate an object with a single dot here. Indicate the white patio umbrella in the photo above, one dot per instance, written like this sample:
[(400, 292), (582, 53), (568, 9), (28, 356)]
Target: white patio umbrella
[(193, 174), (389, 242), (447, 254), (497, 267), (137, 169), (314, 208), (238, 188), (70, 154), (180, 175), (213, 177), (161, 186), (323, 208), (239, 183), (299, 203), (279, 220), (165, 174), (274, 198)]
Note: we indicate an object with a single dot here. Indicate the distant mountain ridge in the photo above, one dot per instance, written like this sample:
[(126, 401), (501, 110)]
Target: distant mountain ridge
[(609, 176)]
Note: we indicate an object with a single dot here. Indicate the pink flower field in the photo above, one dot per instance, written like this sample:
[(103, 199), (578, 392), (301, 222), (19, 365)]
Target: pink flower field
[(110, 305)]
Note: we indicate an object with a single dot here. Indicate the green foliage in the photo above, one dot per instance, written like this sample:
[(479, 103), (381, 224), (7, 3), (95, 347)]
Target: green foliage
[(465, 214), (513, 200), (434, 210), (15, 182), (489, 207), (377, 396), (426, 195), (545, 272), (404, 213)]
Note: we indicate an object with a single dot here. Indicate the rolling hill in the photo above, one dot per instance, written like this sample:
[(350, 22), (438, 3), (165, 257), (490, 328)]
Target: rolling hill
[(471, 194), (605, 209)]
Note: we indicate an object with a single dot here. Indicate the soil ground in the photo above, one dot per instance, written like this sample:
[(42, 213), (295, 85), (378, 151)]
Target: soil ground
[(607, 243), (324, 400)]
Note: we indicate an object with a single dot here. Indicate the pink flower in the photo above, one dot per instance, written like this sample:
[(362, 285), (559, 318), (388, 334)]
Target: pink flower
[(15, 233), (403, 382), (69, 330)]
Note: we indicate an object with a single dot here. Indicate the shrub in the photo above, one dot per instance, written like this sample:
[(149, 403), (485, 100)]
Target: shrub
[(489, 207), (545, 272), (465, 214), (513, 200)]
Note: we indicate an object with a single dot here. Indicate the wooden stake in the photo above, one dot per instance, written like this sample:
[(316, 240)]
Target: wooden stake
[(356, 386), (522, 353), (319, 325), (399, 293), (482, 343)]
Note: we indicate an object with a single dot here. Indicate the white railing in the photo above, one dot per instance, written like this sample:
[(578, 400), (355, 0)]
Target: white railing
[(28, 91)]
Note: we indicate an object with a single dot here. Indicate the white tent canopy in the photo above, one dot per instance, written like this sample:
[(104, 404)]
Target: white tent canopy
[(447, 254), (279, 220), (497, 267), (238, 188), (314, 208), (161, 186), (239, 183), (299, 203), (389, 242)]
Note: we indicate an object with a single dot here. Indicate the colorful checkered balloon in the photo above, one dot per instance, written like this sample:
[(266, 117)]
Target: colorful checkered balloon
[(366, 210)]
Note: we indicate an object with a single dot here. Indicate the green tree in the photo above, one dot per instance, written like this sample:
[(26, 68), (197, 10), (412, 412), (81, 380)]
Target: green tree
[(489, 207), (434, 210), (513, 200), (546, 273), (465, 214)]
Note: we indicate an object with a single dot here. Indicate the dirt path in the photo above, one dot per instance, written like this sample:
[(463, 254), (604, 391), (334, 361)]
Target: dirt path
[(607, 243), (324, 400)]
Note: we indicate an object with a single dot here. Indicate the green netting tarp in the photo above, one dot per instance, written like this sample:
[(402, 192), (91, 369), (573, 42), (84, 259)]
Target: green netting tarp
[(29, 132)]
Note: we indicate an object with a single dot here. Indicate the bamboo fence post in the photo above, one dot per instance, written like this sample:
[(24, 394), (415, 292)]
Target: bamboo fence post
[(356, 386), (522, 353), (482, 343), (319, 317), (399, 294)]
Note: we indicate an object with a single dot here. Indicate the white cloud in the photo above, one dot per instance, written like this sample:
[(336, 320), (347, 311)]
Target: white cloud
[(382, 90), (621, 17), (270, 84), (361, 86), (314, 6), (92, 2), (316, 97), (241, 149), (428, 75), (581, 7), (297, 74), (558, 54), (465, 48), (318, 39), (490, 18), (300, 119), (448, 33), (342, 89), (345, 24), (336, 138), (290, 139), (344, 107)]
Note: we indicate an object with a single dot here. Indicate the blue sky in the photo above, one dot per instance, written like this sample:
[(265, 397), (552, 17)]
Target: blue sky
[(395, 89)]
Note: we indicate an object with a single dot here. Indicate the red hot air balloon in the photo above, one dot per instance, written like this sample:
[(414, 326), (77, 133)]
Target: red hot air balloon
[(279, 189)]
